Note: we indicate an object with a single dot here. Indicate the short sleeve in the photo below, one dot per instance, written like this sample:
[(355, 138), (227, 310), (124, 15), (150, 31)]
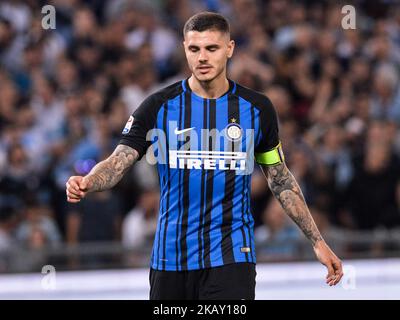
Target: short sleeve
[(269, 150), (139, 123)]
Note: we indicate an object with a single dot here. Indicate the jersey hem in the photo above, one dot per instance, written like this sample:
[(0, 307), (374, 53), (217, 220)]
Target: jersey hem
[(195, 267)]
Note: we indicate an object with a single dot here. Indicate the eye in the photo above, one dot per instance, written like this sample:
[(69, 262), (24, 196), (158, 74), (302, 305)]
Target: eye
[(193, 49), (212, 49)]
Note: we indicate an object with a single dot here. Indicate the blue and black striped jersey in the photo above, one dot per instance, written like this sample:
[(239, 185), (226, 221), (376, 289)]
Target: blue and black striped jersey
[(205, 150)]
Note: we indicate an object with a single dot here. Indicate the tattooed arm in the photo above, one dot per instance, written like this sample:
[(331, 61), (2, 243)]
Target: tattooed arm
[(285, 188), (104, 175)]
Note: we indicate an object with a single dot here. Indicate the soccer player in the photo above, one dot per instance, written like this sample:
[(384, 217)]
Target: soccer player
[(213, 128)]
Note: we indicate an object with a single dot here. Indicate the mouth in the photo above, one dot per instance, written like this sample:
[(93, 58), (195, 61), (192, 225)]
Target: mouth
[(204, 69)]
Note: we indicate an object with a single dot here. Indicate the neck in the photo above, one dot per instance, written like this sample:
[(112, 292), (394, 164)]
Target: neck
[(209, 89)]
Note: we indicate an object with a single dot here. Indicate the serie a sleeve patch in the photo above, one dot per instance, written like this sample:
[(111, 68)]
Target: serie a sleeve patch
[(271, 157)]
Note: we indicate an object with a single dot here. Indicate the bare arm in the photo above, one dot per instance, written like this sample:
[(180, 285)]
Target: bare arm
[(285, 188), (104, 175), (107, 173)]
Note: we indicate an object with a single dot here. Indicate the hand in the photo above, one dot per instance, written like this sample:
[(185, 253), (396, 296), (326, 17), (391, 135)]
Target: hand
[(331, 261), (76, 188)]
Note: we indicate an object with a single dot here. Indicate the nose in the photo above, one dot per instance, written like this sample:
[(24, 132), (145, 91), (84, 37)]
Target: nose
[(203, 56)]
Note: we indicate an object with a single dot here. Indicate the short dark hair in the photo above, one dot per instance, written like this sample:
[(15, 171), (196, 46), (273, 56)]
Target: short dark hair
[(206, 21)]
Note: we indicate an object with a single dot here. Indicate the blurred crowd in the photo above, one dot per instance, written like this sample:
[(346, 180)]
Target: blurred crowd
[(65, 95)]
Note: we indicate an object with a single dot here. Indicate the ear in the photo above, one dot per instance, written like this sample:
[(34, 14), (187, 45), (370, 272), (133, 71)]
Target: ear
[(231, 48)]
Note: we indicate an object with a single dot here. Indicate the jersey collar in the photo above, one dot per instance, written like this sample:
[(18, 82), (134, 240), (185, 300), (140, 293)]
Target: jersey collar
[(232, 88)]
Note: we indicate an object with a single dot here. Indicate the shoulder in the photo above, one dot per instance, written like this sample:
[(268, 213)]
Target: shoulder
[(256, 98), (158, 98)]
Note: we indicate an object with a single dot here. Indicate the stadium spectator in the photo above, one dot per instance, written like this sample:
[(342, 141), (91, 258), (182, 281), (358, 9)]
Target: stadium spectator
[(96, 220), (37, 229), (140, 223), (278, 237)]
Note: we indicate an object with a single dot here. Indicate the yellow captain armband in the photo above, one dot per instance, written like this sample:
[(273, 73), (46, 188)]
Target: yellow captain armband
[(271, 157)]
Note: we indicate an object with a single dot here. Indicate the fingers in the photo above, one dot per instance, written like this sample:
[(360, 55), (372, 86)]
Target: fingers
[(338, 271), (73, 197), (83, 184), (331, 274), (73, 185), (73, 190), (73, 200), (335, 273)]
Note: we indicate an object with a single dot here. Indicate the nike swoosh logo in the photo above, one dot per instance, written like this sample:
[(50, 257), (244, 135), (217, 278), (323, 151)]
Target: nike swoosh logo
[(183, 130)]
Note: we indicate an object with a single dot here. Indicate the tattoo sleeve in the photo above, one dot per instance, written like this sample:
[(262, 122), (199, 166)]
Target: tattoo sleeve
[(110, 171), (285, 188)]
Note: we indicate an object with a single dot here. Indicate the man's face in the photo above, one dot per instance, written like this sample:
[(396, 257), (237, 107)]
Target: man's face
[(207, 53)]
